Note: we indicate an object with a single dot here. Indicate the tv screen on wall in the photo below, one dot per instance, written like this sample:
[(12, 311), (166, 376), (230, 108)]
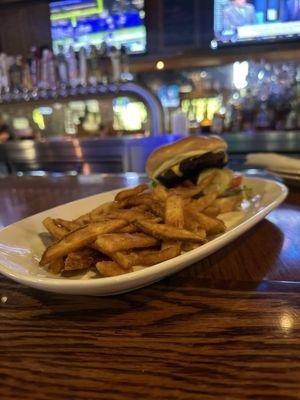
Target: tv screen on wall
[(80, 23), (255, 20)]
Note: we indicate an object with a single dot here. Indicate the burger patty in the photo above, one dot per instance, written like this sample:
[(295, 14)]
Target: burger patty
[(190, 168)]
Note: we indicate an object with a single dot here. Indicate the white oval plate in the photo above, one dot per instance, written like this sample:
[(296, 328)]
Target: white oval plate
[(21, 245)]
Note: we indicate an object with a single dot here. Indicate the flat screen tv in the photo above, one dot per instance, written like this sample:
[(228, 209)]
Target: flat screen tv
[(91, 22), (240, 21)]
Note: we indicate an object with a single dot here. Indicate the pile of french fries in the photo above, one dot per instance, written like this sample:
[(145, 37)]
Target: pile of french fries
[(140, 228)]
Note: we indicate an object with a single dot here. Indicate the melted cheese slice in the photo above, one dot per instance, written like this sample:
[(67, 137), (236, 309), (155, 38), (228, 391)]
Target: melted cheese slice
[(176, 170), (175, 161)]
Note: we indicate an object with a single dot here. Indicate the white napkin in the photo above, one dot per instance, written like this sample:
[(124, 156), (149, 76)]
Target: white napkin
[(274, 161)]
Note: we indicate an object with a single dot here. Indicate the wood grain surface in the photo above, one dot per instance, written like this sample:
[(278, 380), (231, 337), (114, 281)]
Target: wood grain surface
[(225, 328)]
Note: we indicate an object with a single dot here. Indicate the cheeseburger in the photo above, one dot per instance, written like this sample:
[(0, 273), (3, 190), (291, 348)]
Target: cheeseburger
[(191, 160)]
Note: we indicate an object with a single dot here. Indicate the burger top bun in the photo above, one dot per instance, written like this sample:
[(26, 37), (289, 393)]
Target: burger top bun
[(169, 155)]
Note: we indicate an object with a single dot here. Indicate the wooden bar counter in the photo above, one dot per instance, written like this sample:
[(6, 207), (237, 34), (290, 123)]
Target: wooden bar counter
[(225, 328)]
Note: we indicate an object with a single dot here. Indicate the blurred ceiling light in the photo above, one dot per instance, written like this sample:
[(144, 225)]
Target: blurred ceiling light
[(160, 65), (213, 44)]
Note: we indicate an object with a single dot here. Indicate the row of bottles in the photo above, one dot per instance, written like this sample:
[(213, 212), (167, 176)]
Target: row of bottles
[(269, 101), (42, 70), (240, 97), (240, 112), (249, 113)]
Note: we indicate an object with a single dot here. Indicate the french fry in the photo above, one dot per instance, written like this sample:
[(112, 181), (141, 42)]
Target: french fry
[(138, 229), (165, 232), (69, 225), (152, 257), (227, 204), (100, 210), (80, 238), (125, 194), (174, 214), (157, 208), (175, 244), (57, 232), (211, 211), (160, 193), (125, 259), (187, 192), (192, 224), (212, 226), (141, 207), (189, 246), (128, 215), (131, 228), (145, 258), (57, 266), (144, 202), (114, 242), (111, 268), (203, 202), (104, 209), (81, 259), (142, 199)]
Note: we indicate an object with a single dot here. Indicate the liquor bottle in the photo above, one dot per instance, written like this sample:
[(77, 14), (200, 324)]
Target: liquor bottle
[(194, 127), (72, 67), (247, 111), (263, 117), (206, 122), (48, 77), (15, 72), (218, 125), (82, 67), (291, 119), (1, 75), (51, 69), (179, 122), (26, 78), (235, 119), (125, 74), (43, 82), (4, 73), (70, 126), (62, 66)]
